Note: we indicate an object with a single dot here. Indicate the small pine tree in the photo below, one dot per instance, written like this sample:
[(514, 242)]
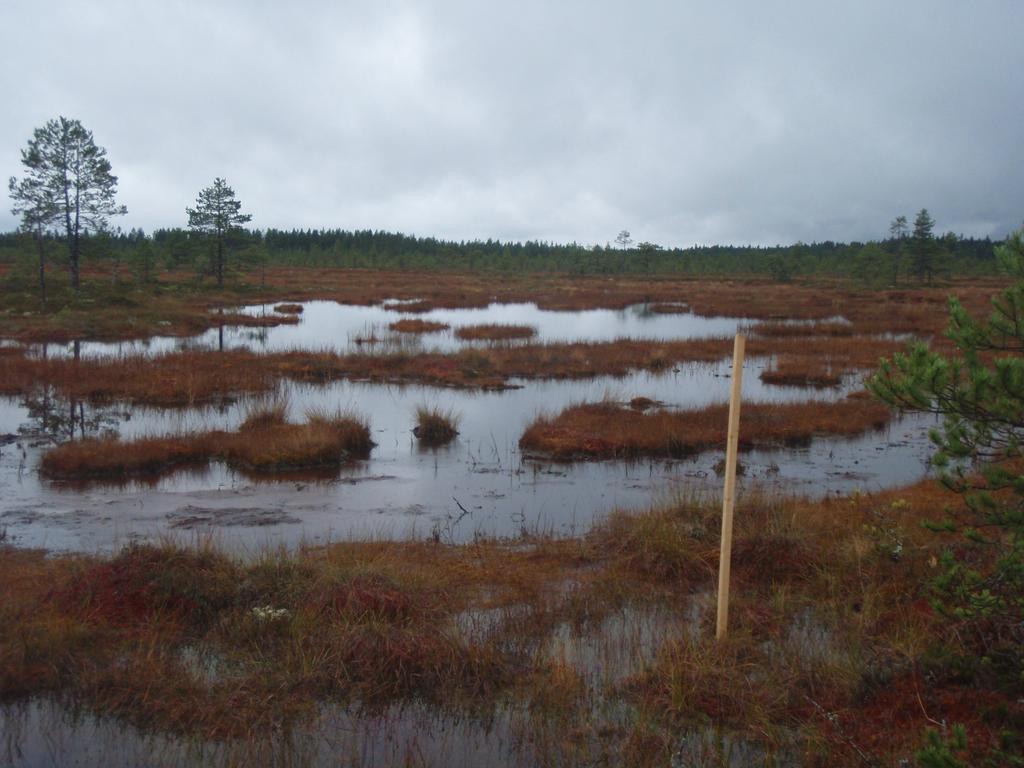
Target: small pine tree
[(897, 238), (216, 214), (979, 392), (923, 248), (870, 266)]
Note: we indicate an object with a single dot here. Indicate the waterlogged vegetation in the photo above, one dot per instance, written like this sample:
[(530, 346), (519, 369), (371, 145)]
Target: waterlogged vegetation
[(155, 377), (609, 430), (495, 332), (265, 442), (114, 304), (417, 326), (323, 512), (435, 426), (590, 650)]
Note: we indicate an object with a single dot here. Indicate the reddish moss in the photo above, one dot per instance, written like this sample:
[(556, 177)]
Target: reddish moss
[(265, 443), (371, 596), (417, 326), (146, 582), (188, 378), (495, 332), (802, 371), (254, 321), (607, 430)]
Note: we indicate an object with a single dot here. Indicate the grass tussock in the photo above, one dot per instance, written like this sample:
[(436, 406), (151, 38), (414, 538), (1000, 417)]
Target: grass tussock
[(641, 403), (495, 332), (414, 307), (670, 308), (803, 371), (834, 656), (776, 329), (288, 309), (435, 426), (265, 442), (109, 457), (238, 319), (417, 326), (268, 412), (324, 440), (608, 430)]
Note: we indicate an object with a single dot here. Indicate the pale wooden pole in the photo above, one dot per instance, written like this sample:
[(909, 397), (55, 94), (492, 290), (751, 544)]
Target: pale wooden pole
[(729, 494)]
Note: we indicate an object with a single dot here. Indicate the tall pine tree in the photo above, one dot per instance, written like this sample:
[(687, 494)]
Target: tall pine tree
[(68, 185)]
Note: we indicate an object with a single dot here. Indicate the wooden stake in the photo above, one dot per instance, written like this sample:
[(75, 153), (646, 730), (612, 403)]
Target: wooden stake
[(729, 494)]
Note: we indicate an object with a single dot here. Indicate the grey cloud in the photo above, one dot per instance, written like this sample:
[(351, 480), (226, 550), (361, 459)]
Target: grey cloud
[(687, 122)]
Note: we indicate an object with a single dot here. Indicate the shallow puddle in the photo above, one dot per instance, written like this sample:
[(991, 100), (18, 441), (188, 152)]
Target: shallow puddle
[(479, 485), (44, 732), (40, 734), (618, 646)]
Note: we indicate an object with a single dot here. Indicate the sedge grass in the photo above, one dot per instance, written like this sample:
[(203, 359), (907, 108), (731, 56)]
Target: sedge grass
[(435, 426), (608, 430), (828, 638), (265, 442), (495, 332)]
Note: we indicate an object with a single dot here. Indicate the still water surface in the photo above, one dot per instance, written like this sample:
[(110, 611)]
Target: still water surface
[(327, 325), (478, 485)]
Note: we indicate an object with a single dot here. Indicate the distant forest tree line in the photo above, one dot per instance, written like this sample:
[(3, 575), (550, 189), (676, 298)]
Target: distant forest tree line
[(67, 195), (895, 260)]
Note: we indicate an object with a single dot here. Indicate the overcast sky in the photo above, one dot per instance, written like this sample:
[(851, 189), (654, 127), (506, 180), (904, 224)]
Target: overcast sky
[(685, 122)]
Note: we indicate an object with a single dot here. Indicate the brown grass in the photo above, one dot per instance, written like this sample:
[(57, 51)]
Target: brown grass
[(495, 332), (366, 622), (321, 442), (917, 310), (112, 458), (608, 430), (288, 309), (643, 403), (187, 378), (410, 307), (803, 371), (815, 354), (435, 426), (265, 412), (670, 309), (254, 321), (368, 337), (417, 326), (172, 379), (831, 657), (175, 307), (264, 443), (785, 330)]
